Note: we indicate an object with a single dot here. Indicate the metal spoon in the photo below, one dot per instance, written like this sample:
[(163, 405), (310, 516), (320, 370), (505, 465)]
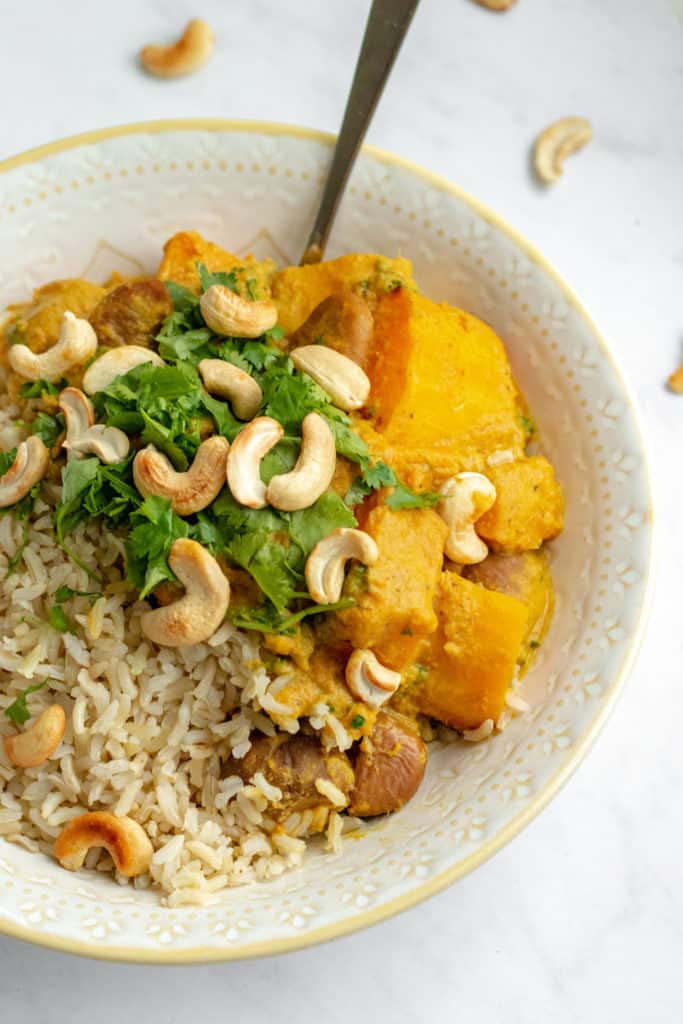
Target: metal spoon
[(387, 25)]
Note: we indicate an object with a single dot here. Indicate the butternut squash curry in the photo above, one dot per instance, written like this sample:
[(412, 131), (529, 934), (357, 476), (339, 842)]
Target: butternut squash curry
[(319, 456)]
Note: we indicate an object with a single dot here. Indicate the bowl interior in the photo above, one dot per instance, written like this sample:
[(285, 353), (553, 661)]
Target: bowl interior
[(108, 203)]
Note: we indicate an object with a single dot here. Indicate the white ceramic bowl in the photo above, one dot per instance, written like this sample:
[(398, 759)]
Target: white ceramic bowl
[(108, 200)]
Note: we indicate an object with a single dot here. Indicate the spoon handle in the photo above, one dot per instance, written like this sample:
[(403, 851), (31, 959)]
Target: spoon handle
[(387, 25)]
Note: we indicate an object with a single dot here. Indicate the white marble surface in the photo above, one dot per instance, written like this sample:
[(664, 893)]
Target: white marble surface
[(581, 917)]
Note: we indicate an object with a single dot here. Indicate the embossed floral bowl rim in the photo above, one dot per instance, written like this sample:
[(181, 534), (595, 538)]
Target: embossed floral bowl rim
[(106, 200)]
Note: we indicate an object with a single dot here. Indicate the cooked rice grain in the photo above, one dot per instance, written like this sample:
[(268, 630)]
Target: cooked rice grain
[(147, 730)]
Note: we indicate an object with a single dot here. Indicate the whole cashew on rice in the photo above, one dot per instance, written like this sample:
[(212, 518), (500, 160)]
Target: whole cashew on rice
[(196, 615), (30, 465), (125, 840), (76, 344), (35, 745)]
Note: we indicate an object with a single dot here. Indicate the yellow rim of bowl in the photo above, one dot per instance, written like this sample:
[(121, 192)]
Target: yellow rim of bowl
[(203, 954)]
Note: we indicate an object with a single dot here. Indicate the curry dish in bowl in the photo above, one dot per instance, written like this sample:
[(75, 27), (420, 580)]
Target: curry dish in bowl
[(267, 533)]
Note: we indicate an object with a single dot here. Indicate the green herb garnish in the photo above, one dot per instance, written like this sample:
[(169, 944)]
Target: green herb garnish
[(48, 428), (155, 526), (267, 619), (374, 476), (403, 497), (38, 388), (528, 424), (18, 711), (357, 722), (207, 278), (59, 621)]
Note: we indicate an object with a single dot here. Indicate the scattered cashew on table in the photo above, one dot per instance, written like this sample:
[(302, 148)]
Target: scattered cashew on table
[(186, 55), (558, 141), (676, 381), (496, 5)]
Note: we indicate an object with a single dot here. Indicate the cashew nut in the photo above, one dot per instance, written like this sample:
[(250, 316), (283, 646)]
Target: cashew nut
[(30, 748), (125, 840), (228, 314), (76, 344), (466, 497), (327, 561), (115, 363), (556, 143), (190, 491), (84, 436), (347, 385), (196, 615), (313, 471), (369, 680), (676, 381), (496, 5), (29, 466), (188, 54), (227, 381), (244, 460)]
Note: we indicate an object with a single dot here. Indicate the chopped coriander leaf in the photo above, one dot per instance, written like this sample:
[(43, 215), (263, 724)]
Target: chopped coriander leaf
[(357, 722), (59, 621), (267, 619), (403, 497), (166, 404), (205, 531), (163, 438), (18, 712), (270, 563), (231, 518), (48, 428), (257, 355), (528, 424), (38, 388), (189, 346), (184, 299), (373, 477), (534, 643), (348, 442), (23, 508), (276, 333), (310, 525), (92, 489), (65, 593), (280, 459), (252, 288), (6, 460), (289, 397), (18, 555), (207, 279), (155, 526)]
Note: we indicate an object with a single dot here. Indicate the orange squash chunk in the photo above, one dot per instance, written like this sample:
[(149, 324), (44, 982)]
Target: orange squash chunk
[(296, 291), (441, 381), (394, 608), (37, 323), (470, 660), (184, 250), (529, 506)]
